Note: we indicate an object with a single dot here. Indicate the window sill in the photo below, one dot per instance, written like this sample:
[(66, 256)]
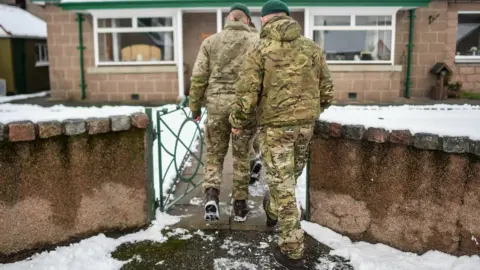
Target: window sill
[(467, 60), (131, 69), (365, 68), (41, 64)]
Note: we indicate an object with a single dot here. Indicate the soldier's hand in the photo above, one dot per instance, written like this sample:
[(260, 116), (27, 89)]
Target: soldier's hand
[(236, 131)]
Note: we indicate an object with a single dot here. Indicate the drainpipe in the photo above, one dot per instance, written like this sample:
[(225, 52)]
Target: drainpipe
[(81, 48), (408, 82)]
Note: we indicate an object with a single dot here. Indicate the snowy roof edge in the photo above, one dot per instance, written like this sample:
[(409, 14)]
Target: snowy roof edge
[(9, 29)]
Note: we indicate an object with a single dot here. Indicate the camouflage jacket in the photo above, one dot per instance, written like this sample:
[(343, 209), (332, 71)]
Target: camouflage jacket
[(217, 66), (285, 79)]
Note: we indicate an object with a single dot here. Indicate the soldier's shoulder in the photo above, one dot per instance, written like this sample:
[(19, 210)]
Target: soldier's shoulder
[(310, 44)]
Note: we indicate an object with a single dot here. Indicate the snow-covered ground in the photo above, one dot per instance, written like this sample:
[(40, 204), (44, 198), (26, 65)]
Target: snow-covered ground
[(4, 99), (366, 256), (94, 252), (441, 119)]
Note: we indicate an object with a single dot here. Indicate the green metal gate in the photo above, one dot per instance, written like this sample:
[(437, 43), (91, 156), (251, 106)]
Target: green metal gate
[(161, 133)]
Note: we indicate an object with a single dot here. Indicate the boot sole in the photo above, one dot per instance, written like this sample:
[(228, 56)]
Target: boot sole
[(255, 174), (211, 211), (240, 218)]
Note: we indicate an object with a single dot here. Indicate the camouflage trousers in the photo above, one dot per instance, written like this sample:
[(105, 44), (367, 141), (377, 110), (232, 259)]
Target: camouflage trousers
[(284, 154), (217, 135)]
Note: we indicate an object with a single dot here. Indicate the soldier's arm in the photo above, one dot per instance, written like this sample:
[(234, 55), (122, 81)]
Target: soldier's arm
[(326, 84), (247, 86), (199, 80)]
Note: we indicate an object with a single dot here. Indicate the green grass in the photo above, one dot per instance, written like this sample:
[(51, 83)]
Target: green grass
[(470, 95)]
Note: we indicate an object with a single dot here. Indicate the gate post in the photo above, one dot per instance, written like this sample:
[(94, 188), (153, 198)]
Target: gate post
[(150, 172)]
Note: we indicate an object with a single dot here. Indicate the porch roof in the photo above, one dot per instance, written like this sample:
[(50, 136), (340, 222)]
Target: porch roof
[(18, 23), (115, 4)]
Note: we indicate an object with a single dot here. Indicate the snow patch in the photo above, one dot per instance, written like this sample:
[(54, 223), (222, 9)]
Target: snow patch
[(17, 22), (441, 119), (20, 97), (94, 252), (366, 256), (196, 201)]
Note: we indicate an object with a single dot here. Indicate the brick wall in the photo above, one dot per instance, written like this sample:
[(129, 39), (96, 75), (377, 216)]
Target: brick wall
[(468, 74), (65, 67), (373, 86), (433, 42)]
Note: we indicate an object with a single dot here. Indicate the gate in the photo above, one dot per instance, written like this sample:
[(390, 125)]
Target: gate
[(171, 143)]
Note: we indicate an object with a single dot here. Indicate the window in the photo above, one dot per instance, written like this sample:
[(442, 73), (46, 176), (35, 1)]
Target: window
[(41, 55), (134, 41), (468, 37), (355, 38)]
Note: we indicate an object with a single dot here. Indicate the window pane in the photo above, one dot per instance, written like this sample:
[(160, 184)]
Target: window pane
[(355, 45), (468, 34), (373, 20), (142, 47), (109, 23), (154, 22), (332, 20)]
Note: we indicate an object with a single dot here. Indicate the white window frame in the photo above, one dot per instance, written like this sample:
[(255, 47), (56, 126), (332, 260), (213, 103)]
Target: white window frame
[(134, 14), (466, 58), (41, 50), (353, 12)]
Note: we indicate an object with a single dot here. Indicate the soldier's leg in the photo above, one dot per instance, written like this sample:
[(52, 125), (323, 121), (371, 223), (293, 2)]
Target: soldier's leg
[(241, 152), (278, 153), (301, 148), (217, 137)]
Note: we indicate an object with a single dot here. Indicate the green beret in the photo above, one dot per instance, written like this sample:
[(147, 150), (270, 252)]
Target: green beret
[(241, 7), (274, 6)]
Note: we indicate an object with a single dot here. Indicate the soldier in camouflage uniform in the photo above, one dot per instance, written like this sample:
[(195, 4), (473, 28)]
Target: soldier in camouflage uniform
[(286, 80), (214, 74)]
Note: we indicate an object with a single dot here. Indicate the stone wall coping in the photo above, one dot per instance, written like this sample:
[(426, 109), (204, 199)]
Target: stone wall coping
[(22, 131), (425, 141)]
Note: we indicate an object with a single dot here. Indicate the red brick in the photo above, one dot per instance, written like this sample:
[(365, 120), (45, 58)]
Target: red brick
[(49, 129), (126, 87), (343, 85), (436, 47), (381, 85), (401, 137), (373, 96), (154, 96), (116, 97), (335, 130), (467, 70), (378, 135), (145, 86), (428, 37), (473, 78), (391, 95), (140, 120), (452, 15), (98, 125), (21, 131)]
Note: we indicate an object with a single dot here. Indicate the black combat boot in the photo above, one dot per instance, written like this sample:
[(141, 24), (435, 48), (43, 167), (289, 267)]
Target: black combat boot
[(255, 168), (241, 210), (212, 212), (266, 200), (285, 261)]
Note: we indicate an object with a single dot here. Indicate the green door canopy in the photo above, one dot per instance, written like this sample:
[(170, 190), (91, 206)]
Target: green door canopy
[(93, 4)]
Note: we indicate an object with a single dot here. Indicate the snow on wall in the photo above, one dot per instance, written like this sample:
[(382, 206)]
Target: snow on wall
[(441, 119)]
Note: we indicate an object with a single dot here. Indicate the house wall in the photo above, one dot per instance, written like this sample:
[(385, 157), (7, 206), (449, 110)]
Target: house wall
[(157, 84), (194, 25), (433, 42), (6, 64), (37, 77)]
